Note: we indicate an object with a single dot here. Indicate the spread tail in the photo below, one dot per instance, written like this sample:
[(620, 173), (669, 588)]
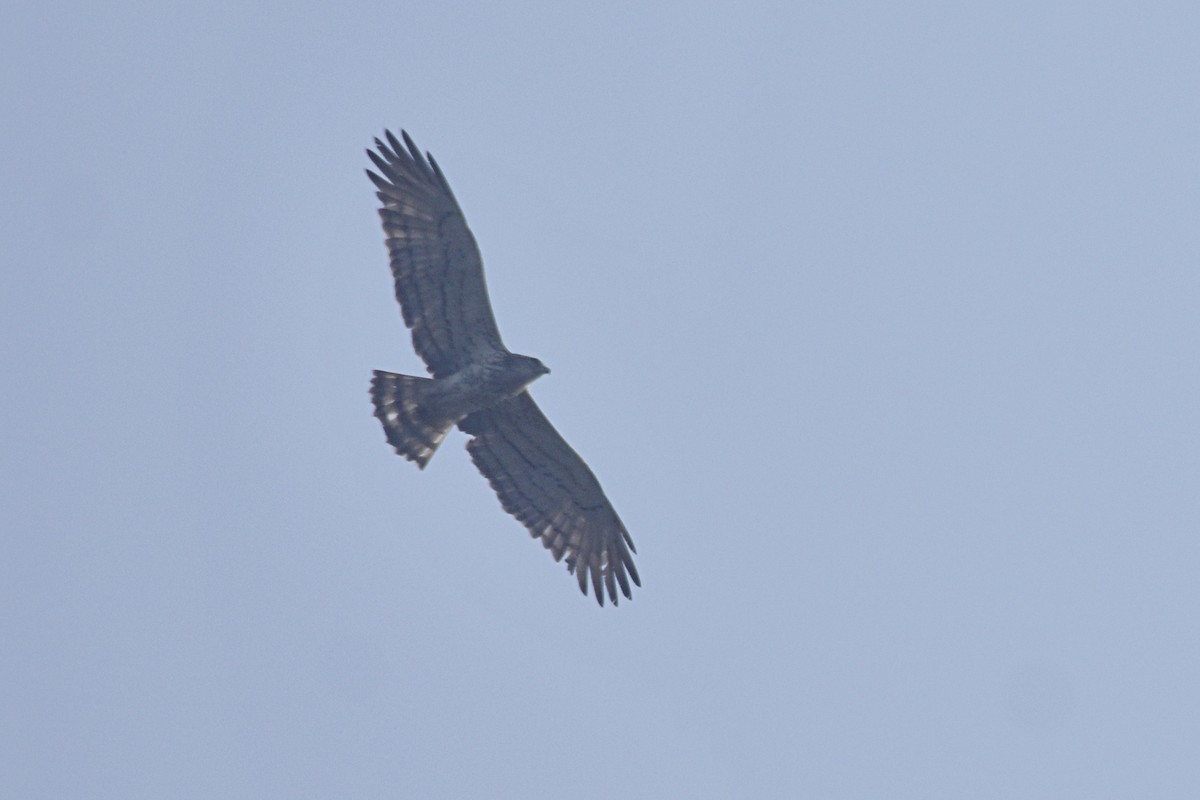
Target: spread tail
[(407, 408)]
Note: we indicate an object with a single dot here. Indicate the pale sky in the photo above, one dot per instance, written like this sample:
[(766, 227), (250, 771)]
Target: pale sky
[(878, 322)]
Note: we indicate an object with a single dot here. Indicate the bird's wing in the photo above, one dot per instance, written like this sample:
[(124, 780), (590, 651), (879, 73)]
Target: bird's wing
[(434, 258), (545, 484)]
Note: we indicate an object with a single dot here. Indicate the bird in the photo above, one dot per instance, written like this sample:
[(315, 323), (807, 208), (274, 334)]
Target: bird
[(476, 383)]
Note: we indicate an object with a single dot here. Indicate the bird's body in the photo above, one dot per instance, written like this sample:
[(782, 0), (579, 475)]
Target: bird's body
[(407, 405), (477, 383)]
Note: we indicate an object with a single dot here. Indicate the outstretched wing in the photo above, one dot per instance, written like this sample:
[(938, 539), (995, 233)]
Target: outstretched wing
[(545, 484), (435, 261)]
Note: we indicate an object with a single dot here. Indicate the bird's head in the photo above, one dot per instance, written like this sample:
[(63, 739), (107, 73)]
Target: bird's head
[(532, 367), (527, 367)]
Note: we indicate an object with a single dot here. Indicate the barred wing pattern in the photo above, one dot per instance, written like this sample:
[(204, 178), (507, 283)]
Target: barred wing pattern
[(546, 485), (435, 261)]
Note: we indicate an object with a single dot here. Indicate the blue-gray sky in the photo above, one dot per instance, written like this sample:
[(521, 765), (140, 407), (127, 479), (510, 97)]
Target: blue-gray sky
[(877, 321)]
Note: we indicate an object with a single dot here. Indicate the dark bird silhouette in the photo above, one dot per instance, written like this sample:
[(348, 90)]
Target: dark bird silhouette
[(477, 384)]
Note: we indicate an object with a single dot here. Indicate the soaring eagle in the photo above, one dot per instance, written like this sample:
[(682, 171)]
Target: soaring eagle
[(477, 383)]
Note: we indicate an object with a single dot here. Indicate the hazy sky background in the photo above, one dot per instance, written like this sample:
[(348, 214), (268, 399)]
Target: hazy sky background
[(877, 321)]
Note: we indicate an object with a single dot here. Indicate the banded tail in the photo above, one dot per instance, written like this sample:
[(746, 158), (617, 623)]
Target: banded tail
[(407, 408)]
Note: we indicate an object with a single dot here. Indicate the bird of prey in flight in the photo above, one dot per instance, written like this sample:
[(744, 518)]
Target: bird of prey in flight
[(476, 383)]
